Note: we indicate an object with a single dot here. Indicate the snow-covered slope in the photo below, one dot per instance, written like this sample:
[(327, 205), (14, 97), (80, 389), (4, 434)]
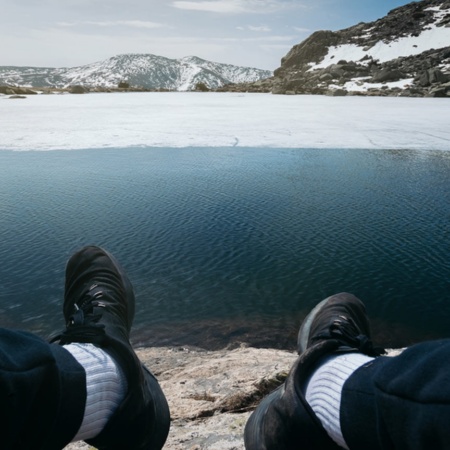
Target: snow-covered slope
[(432, 36), (407, 52), (139, 70)]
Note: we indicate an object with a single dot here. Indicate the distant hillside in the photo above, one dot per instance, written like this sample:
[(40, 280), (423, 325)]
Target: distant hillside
[(407, 52), (138, 70)]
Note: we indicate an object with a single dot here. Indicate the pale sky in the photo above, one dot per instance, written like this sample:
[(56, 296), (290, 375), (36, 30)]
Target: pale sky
[(254, 33)]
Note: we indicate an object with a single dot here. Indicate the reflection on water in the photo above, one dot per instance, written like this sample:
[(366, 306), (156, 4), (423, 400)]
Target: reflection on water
[(227, 245)]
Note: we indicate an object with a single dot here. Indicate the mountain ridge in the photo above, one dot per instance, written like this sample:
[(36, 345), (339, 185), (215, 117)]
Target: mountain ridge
[(146, 71), (406, 52)]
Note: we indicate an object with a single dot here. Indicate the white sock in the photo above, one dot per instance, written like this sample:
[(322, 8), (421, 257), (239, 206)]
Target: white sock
[(105, 386), (324, 390)]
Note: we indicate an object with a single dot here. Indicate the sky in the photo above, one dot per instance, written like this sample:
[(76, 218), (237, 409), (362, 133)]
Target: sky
[(253, 33)]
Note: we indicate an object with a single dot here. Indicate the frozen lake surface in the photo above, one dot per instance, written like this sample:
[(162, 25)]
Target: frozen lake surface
[(66, 122)]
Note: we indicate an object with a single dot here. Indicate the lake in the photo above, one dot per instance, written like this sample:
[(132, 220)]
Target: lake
[(231, 245)]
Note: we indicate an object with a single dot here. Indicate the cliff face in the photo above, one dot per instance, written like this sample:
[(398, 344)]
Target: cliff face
[(407, 53)]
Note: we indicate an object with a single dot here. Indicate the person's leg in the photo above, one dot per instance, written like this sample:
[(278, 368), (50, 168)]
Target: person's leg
[(401, 401), (51, 394), (42, 393), (340, 394), (91, 386), (99, 311), (285, 419)]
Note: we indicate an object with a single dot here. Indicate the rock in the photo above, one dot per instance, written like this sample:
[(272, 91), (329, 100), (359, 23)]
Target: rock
[(437, 92), (326, 77), (387, 74), (423, 79), (337, 92), (335, 70), (312, 49), (203, 383), (436, 76), (24, 91), (14, 90), (278, 90), (77, 89), (17, 96), (10, 91)]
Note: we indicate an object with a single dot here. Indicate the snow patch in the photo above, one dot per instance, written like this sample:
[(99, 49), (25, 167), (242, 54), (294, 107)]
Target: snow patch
[(432, 38), (359, 85)]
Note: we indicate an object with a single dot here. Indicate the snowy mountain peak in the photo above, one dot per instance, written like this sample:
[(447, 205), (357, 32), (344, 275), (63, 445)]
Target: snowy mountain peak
[(140, 70)]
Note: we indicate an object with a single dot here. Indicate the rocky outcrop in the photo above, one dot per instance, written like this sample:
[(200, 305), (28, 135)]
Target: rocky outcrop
[(261, 86), (423, 74), (77, 89), (14, 90), (391, 56)]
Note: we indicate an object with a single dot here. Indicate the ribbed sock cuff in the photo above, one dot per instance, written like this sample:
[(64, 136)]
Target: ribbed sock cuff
[(105, 386), (324, 390)]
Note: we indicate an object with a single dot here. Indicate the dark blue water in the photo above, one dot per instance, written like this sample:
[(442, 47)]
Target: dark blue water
[(227, 245)]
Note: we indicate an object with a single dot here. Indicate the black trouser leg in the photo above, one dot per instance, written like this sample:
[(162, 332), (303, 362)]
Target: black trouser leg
[(400, 402), (42, 393)]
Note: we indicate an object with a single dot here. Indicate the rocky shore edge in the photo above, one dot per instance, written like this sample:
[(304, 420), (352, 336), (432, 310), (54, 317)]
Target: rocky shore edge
[(23, 91), (211, 394)]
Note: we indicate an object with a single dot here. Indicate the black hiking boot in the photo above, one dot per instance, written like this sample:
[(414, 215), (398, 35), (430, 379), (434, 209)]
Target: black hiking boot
[(284, 420), (99, 309)]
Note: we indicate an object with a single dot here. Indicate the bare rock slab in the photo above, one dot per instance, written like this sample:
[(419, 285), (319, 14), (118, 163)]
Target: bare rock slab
[(211, 393)]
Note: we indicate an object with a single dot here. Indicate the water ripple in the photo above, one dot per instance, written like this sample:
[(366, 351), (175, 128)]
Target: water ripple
[(232, 235)]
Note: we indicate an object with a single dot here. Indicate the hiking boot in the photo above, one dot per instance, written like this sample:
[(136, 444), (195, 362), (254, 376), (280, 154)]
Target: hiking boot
[(284, 420), (341, 319), (99, 309)]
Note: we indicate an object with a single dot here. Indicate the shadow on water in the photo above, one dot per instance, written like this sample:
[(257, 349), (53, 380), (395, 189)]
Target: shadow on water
[(260, 332)]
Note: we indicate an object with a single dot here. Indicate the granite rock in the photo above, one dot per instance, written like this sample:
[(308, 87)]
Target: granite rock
[(211, 393)]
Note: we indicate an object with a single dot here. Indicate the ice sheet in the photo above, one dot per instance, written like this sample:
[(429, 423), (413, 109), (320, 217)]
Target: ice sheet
[(67, 122)]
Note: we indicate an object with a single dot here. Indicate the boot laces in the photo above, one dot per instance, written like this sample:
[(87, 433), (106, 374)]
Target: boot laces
[(345, 330), (83, 313), (82, 325)]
